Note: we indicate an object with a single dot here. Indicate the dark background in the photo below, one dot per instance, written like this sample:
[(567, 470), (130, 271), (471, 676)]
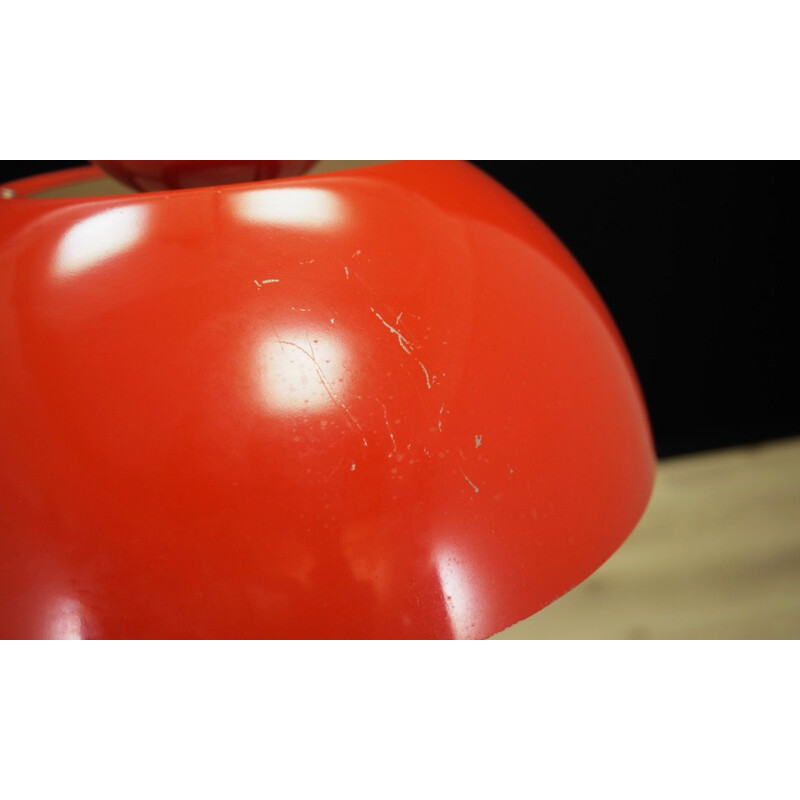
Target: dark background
[(696, 262)]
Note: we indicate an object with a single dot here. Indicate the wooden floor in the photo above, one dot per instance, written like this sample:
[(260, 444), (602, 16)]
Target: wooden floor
[(717, 555)]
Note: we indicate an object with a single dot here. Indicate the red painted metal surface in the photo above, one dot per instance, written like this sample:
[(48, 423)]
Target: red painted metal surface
[(159, 175), (377, 403)]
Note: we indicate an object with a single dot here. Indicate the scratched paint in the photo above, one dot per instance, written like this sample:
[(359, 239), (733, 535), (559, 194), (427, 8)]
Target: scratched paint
[(388, 428), (404, 343), (466, 478)]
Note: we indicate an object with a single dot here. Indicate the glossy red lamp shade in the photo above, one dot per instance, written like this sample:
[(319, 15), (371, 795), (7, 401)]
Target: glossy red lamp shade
[(384, 402)]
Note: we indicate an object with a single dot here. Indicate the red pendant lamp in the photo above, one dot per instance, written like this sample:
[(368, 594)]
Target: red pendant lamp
[(379, 402)]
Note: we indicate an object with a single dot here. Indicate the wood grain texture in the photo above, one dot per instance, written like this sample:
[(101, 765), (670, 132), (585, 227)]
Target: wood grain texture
[(716, 556)]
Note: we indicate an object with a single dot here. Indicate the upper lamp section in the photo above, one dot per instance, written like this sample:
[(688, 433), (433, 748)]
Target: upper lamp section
[(149, 176)]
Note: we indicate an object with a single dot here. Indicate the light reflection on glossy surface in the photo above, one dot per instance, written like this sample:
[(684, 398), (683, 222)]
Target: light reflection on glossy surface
[(301, 371), (66, 619), (462, 597), (99, 238), (292, 206)]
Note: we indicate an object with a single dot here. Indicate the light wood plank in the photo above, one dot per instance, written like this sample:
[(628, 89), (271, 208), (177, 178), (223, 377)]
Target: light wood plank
[(716, 555)]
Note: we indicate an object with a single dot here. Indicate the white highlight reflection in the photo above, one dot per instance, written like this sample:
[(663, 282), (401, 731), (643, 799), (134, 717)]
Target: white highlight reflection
[(66, 620), (302, 207), (99, 237), (301, 372), (461, 594)]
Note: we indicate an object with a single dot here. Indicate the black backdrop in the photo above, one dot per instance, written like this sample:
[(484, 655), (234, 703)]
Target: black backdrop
[(696, 261)]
